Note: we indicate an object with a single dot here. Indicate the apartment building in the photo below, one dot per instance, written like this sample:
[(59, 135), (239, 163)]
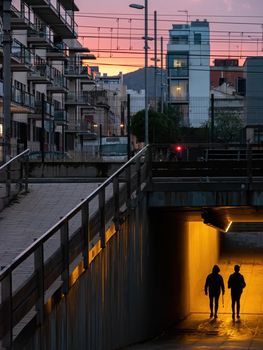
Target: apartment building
[(188, 71), (253, 72), (38, 83)]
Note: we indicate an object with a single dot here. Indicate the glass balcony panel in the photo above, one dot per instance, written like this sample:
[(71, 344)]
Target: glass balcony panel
[(26, 12), (60, 115), (16, 95), (1, 89), (16, 4), (28, 56), (31, 16), (53, 3), (16, 49)]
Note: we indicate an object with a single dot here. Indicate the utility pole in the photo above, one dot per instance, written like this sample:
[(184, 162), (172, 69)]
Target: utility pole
[(155, 60), (146, 140), (128, 126), (212, 117), (7, 41), (42, 139), (162, 102)]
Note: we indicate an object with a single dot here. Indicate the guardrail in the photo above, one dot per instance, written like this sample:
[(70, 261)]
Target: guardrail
[(74, 242), (13, 177)]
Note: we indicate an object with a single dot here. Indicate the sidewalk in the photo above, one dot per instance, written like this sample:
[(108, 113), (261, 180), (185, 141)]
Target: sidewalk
[(198, 332), (31, 215)]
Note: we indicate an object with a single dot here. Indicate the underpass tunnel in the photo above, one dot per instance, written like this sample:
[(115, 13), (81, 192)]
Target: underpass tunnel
[(185, 250)]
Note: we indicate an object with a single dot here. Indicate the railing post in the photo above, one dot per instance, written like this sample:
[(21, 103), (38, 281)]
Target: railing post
[(39, 269), (7, 312), (128, 183), (21, 175), (102, 217), (138, 175), (8, 181), (26, 173), (64, 238), (149, 157), (116, 196), (85, 233)]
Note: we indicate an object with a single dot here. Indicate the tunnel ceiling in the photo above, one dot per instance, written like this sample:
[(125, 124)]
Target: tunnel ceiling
[(235, 214)]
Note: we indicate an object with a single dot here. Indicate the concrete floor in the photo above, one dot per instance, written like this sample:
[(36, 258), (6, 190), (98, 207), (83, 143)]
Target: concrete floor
[(198, 331)]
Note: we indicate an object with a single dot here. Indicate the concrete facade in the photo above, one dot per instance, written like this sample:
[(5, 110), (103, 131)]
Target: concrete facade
[(188, 67), (254, 99)]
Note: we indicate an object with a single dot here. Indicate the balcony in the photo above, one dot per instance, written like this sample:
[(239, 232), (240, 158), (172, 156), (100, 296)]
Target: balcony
[(41, 36), (53, 13), (21, 57), (48, 110), (22, 16), (83, 99), (59, 52), (59, 83), (60, 116), (21, 101), (78, 71), (42, 74)]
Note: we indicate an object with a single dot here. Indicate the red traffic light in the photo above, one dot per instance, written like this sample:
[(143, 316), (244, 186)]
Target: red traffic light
[(179, 148)]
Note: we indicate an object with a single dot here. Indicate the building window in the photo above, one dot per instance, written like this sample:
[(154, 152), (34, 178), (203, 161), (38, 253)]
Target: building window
[(178, 65), (197, 38), (179, 40), (178, 90)]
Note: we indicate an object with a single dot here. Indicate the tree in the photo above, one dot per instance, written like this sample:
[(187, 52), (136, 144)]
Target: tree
[(227, 125), (163, 128)]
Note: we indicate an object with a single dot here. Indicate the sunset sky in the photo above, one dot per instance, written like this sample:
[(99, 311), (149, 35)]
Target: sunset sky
[(113, 31)]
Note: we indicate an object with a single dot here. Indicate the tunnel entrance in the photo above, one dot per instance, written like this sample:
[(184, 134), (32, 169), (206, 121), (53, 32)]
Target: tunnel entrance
[(185, 250)]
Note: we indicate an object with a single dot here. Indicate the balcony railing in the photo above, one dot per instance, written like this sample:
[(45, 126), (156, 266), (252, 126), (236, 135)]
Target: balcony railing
[(74, 69), (49, 109), (21, 53), (42, 32), (79, 98), (20, 97), (42, 70), (23, 98), (60, 115), (58, 79), (23, 11)]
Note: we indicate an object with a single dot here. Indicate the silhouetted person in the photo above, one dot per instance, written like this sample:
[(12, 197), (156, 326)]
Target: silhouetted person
[(214, 283), (236, 282)]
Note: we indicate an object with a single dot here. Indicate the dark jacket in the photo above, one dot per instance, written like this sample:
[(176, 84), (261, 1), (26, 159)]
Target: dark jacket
[(215, 283), (236, 282)]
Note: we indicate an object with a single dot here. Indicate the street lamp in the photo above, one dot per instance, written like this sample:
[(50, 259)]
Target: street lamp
[(145, 7)]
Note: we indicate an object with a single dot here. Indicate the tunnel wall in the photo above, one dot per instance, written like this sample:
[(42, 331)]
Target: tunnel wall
[(203, 253), (184, 253), (110, 304), (137, 286)]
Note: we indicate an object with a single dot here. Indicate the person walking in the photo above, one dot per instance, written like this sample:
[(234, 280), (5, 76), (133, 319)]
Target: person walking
[(236, 283), (214, 284)]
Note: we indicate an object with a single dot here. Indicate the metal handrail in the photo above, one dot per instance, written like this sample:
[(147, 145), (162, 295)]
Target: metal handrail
[(108, 211), (23, 173), (27, 252)]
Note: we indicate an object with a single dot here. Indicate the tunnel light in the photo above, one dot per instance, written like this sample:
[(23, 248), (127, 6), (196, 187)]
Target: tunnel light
[(216, 220), (228, 226)]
